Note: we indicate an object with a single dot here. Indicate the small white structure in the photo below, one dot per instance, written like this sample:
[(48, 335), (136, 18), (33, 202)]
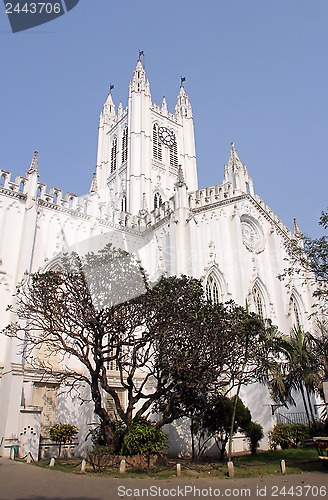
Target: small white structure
[(145, 188)]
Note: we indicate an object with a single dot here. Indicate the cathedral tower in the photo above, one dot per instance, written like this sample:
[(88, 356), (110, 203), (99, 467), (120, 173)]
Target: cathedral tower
[(140, 149)]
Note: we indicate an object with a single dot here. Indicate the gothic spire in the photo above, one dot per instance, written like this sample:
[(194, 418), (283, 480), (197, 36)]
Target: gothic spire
[(183, 106), (234, 161), (144, 209), (180, 180), (109, 107), (139, 82), (164, 105), (94, 186), (34, 164), (297, 231)]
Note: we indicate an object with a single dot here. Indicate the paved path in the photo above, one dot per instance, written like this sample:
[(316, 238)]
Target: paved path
[(19, 481)]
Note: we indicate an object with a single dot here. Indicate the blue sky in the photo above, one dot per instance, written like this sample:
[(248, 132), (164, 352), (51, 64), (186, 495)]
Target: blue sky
[(256, 73)]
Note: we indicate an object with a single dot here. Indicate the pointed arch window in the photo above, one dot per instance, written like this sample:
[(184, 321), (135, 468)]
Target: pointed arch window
[(125, 145), (113, 157), (213, 290), (174, 155), (295, 312), (157, 146), (157, 200), (258, 301)]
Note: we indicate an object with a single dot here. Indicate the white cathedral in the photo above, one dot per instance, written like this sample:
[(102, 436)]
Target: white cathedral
[(144, 189)]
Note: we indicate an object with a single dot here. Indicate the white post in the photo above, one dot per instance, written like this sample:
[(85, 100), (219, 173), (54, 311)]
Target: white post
[(52, 462), (12, 454), (283, 466), (83, 465), (178, 469), (122, 467), (28, 458), (231, 471)]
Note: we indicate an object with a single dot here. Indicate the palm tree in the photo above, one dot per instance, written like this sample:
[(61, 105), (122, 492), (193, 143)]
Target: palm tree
[(298, 370)]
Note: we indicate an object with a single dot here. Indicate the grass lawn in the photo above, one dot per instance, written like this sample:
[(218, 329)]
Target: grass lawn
[(262, 464)]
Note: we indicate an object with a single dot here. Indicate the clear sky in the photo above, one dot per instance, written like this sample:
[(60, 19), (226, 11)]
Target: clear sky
[(256, 73)]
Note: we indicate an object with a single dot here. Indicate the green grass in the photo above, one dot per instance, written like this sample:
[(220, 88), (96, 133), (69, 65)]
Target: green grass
[(262, 464)]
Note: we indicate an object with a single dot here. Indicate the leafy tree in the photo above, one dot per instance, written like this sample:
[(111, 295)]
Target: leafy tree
[(101, 309), (254, 433), (62, 434), (308, 259), (216, 420), (298, 370), (143, 438)]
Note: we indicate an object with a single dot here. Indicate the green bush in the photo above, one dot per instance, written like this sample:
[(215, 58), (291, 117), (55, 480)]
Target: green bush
[(62, 434), (288, 435), (254, 433), (143, 438)]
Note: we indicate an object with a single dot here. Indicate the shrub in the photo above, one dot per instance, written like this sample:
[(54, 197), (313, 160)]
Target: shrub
[(62, 434), (254, 433), (287, 435), (143, 438)]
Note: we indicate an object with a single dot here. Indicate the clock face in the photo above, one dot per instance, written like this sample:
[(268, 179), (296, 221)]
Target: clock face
[(166, 136)]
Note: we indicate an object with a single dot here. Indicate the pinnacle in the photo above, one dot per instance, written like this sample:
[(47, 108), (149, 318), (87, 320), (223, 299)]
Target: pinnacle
[(234, 160), (34, 163), (297, 231)]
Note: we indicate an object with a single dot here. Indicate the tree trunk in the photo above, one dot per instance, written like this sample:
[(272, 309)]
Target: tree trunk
[(304, 402), (192, 440), (310, 407)]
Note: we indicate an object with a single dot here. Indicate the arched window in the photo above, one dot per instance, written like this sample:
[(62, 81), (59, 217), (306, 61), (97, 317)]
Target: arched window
[(39, 192), (157, 145), (157, 200), (174, 155), (213, 290), (123, 204), (295, 312), (2, 180), (125, 145), (21, 186), (113, 156), (258, 301)]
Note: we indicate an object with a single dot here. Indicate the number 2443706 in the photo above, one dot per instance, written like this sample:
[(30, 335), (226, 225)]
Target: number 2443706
[(33, 8)]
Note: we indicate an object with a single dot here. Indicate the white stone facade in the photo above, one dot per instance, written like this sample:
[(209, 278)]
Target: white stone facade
[(145, 188)]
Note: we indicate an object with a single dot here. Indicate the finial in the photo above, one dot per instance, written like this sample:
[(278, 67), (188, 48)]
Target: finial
[(94, 187), (34, 163), (144, 209), (111, 87), (182, 79), (180, 180), (297, 231), (234, 160)]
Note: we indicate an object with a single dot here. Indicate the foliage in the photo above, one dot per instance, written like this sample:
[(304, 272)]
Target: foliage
[(288, 435), (298, 370), (254, 433), (101, 309), (143, 438), (216, 420), (308, 259), (62, 434)]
